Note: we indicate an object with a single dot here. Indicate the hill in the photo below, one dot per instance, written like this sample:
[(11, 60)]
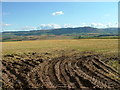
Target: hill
[(68, 32)]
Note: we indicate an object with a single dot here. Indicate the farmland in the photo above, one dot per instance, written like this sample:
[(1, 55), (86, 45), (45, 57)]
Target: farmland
[(75, 63), (60, 45), (96, 45)]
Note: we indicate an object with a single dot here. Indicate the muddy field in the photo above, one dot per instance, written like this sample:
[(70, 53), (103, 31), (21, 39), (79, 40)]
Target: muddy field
[(68, 70)]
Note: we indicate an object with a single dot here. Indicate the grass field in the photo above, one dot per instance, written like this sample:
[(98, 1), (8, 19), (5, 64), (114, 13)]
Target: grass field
[(107, 46)]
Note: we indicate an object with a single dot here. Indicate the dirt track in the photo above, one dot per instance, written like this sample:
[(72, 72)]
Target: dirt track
[(74, 71)]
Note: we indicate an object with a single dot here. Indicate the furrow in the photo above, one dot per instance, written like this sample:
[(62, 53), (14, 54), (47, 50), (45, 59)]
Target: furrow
[(52, 74), (105, 66), (45, 76), (73, 78), (66, 75), (94, 74)]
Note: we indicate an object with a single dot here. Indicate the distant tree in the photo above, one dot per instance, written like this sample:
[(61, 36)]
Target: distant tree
[(78, 37)]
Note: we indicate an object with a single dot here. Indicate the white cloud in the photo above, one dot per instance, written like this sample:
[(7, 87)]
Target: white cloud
[(48, 26), (7, 24), (3, 24), (55, 26), (84, 25), (67, 26), (28, 28), (100, 25), (58, 13), (70, 26), (112, 25)]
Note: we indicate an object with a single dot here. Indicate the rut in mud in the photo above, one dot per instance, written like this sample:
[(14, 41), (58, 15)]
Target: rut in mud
[(74, 71)]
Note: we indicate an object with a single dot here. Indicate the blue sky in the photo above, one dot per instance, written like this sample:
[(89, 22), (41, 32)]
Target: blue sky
[(44, 15)]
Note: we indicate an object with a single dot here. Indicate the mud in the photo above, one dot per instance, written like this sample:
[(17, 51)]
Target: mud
[(75, 71)]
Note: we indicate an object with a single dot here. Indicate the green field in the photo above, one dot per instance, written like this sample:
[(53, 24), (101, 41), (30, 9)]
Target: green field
[(106, 46)]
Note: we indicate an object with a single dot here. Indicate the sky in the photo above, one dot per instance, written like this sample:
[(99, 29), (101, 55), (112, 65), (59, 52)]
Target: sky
[(23, 16)]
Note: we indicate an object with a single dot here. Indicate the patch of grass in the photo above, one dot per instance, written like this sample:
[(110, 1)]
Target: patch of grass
[(106, 46), (115, 64)]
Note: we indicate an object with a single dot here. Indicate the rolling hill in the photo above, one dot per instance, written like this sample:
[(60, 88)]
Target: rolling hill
[(69, 32)]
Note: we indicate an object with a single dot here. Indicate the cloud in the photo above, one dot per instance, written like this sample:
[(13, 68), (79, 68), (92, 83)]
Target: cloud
[(28, 28), (55, 26), (98, 25), (48, 26), (67, 26), (7, 24), (3, 24), (58, 13), (112, 25), (108, 25)]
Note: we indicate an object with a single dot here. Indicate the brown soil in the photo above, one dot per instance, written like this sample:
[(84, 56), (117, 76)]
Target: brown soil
[(82, 71)]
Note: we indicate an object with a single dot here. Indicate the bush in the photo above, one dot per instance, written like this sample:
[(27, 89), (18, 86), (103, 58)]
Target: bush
[(78, 37)]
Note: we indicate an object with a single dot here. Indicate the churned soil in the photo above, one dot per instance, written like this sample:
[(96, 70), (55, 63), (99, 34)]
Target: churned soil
[(77, 71)]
